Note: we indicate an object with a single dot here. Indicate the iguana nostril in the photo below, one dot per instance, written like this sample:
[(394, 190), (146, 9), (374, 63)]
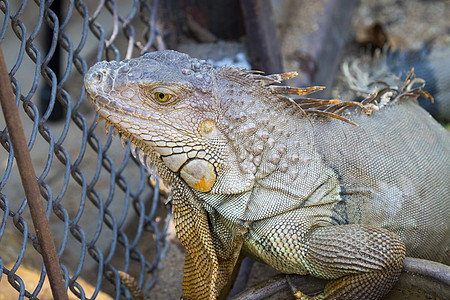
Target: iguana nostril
[(97, 77), (93, 79)]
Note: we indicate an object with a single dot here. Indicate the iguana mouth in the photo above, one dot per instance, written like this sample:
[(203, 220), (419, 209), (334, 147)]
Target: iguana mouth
[(190, 162), (145, 153), (147, 156), (138, 149)]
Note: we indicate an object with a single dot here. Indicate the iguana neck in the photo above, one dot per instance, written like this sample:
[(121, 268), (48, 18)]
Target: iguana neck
[(264, 140)]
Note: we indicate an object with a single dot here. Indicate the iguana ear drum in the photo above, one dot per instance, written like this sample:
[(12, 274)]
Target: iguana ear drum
[(199, 174)]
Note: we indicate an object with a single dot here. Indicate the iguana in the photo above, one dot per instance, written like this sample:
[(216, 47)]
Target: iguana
[(338, 190)]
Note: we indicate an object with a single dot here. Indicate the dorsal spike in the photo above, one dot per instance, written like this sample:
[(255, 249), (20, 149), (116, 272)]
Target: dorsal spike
[(282, 77), (332, 105), (329, 115), (295, 91), (370, 99), (273, 78)]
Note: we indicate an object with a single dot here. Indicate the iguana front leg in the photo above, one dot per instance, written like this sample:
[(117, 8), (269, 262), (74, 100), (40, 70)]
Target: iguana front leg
[(362, 262), (208, 265), (366, 260)]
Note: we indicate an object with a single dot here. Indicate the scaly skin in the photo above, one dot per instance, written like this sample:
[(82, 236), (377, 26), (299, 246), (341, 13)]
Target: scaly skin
[(303, 190)]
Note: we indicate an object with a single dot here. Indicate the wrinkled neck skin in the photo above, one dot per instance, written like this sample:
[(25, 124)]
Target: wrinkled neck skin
[(271, 164)]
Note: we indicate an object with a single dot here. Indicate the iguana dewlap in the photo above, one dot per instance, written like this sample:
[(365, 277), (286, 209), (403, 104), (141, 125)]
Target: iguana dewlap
[(301, 189)]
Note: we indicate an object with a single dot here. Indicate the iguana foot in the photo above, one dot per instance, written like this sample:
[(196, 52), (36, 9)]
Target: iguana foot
[(297, 294)]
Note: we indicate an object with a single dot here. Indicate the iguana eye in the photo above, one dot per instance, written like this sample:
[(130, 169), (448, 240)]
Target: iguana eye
[(163, 97), (160, 95)]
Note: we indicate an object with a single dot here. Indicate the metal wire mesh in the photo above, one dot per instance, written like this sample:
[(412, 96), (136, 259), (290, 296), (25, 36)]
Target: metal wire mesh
[(103, 213)]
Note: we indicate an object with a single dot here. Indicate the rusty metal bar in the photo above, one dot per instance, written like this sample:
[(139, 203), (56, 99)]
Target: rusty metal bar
[(426, 275), (30, 183)]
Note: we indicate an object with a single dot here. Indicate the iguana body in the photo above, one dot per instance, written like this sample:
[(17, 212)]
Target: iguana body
[(294, 187)]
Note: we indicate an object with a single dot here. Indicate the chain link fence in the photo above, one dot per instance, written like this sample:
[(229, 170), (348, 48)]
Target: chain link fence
[(104, 213)]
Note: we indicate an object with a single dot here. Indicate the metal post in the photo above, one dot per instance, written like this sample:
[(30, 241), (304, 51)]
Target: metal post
[(262, 38), (30, 183)]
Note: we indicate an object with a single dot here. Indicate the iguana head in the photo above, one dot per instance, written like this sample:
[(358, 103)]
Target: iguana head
[(162, 102)]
